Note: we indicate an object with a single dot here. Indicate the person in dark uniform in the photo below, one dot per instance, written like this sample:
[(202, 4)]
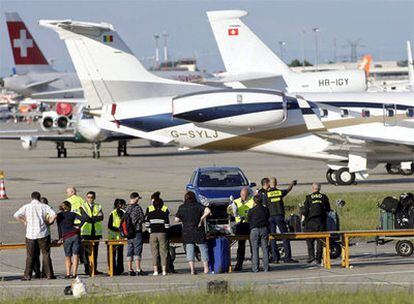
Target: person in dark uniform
[(277, 219), (315, 213), (262, 193)]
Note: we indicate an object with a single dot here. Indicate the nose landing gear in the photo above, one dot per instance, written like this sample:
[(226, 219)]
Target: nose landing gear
[(61, 150)]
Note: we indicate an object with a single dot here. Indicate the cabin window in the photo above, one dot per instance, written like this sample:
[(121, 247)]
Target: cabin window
[(390, 112), (239, 98), (365, 113), (324, 112), (410, 112), (344, 113)]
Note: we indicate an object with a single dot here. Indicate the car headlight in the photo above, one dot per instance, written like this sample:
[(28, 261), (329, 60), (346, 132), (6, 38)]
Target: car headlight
[(203, 200)]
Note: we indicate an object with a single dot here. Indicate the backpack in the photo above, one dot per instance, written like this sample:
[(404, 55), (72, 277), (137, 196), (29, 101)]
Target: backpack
[(389, 204), (406, 201), (127, 227)]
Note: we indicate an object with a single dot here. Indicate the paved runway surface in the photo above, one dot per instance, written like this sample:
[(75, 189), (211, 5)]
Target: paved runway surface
[(148, 169)]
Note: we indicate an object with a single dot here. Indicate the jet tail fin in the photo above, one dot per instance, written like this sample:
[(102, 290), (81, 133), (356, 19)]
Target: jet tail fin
[(410, 66), (26, 53), (241, 50), (108, 70)]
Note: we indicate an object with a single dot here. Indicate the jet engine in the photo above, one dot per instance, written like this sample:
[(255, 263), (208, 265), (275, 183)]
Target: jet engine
[(242, 108), (47, 123), (62, 122), (29, 142)]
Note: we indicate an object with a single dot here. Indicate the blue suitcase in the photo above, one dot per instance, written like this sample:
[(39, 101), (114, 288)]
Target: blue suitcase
[(219, 255)]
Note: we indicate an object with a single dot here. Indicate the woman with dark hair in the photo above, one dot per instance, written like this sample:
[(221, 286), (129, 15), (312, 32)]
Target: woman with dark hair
[(114, 233), (192, 215), (157, 223)]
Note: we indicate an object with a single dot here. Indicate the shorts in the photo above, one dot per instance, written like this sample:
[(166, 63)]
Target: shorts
[(190, 252), (134, 247), (72, 245)]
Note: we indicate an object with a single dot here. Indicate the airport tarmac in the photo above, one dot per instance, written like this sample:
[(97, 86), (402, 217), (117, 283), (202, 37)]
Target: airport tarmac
[(148, 169)]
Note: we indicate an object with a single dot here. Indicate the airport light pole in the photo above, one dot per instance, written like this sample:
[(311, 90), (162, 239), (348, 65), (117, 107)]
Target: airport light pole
[(157, 49), (316, 30), (303, 32), (281, 45), (165, 36)]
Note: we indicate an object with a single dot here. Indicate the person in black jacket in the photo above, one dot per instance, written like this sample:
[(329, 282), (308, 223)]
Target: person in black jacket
[(258, 219), (315, 213), (114, 223), (192, 215), (157, 222)]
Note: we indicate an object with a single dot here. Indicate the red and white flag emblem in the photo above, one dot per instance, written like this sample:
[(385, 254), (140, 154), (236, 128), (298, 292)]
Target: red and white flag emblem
[(233, 32)]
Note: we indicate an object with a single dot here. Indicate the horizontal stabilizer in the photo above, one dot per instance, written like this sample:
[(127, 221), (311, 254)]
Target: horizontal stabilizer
[(247, 76)]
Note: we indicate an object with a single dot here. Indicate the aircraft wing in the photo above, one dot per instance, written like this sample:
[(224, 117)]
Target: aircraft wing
[(40, 83), (41, 137), (44, 95), (344, 141)]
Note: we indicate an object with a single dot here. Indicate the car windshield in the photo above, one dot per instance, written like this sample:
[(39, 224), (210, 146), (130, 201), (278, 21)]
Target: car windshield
[(221, 178)]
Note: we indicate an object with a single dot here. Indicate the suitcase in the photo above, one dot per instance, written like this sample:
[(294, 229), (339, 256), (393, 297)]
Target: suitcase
[(389, 204), (387, 220), (219, 255), (332, 221), (294, 223)]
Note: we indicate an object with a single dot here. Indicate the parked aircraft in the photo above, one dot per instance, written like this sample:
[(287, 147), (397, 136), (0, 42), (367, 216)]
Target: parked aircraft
[(250, 63), (358, 131)]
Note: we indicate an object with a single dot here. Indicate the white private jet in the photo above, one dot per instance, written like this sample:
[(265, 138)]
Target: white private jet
[(353, 133), (252, 64)]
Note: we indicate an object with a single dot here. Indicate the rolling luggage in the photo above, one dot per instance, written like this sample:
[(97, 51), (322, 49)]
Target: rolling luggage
[(387, 220), (219, 255), (389, 204), (332, 221), (294, 223)]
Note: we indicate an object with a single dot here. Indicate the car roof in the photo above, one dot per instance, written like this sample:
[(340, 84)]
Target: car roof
[(201, 169)]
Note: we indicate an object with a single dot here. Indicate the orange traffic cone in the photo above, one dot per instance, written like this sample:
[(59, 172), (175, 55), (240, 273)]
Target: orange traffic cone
[(3, 194)]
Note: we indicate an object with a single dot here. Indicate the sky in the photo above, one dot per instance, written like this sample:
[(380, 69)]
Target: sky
[(382, 26)]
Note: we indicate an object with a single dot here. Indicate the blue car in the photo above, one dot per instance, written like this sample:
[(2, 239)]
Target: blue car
[(213, 186)]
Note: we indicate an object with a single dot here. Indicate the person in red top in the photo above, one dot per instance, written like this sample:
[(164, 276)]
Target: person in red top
[(70, 236)]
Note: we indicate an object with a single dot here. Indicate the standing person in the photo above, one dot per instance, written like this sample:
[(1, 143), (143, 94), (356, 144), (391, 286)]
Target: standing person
[(91, 229), (75, 200), (316, 208), (134, 218), (258, 218), (70, 236), (192, 215), (240, 208), (265, 185), (157, 222), (38, 270), (36, 217), (114, 233), (277, 219)]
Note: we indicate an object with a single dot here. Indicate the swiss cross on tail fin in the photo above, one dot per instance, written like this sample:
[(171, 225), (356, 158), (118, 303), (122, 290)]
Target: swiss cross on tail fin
[(312, 121), (24, 47)]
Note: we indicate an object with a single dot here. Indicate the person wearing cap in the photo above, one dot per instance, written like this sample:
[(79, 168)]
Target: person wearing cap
[(134, 217)]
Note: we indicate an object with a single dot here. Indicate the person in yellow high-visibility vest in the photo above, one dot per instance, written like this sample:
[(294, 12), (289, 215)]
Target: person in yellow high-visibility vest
[(92, 229), (75, 200), (240, 208), (114, 223)]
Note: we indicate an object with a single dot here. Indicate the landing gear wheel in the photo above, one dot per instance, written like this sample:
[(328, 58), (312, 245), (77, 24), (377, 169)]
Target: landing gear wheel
[(330, 176), (393, 170), (404, 248), (335, 250), (344, 177), (61, 150)]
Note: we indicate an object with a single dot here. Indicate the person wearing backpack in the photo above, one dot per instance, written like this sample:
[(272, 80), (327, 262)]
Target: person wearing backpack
[(114, 233), (132, 229)]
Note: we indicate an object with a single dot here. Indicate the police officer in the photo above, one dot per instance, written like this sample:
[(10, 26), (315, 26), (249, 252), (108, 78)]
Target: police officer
[(92, 229), (240, 207), (277, 219), (114, 223), (316, 208)]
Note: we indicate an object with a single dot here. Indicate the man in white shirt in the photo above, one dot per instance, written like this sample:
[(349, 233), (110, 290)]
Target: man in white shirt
[(36, 217)]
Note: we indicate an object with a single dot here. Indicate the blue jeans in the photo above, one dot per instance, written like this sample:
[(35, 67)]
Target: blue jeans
[(259, 238), (190, 252), (279, 221), (134, 247)]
